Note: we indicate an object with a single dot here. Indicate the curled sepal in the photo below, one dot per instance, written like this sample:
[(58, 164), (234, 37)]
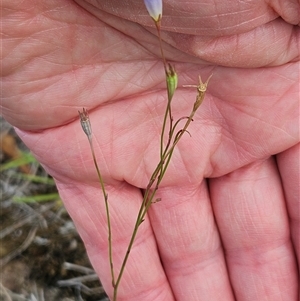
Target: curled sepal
[(172, 80), (201, 89), (85, 122), (154, 8)]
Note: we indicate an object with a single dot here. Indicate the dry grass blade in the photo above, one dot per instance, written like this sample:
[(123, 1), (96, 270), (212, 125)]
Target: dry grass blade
[(29, 239)]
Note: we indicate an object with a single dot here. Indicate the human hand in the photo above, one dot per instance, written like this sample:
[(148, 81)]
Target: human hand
[(227, 226)]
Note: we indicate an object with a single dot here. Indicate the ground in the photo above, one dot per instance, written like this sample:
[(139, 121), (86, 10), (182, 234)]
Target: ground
[(42, 257)]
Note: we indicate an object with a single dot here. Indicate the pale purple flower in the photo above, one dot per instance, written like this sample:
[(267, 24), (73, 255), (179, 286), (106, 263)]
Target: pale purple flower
[(154, 8)]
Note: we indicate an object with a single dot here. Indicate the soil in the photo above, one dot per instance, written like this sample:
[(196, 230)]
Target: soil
[(42, 257)]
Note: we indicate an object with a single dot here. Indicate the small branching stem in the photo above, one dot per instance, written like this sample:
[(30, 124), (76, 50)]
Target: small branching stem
[(166, 153)]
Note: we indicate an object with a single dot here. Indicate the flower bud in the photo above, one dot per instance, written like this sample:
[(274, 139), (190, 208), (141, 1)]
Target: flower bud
[(154, 8), (172, 80)]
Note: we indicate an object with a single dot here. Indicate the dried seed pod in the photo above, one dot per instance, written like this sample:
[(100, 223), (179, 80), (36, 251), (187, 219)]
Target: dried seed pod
[(85, 122)]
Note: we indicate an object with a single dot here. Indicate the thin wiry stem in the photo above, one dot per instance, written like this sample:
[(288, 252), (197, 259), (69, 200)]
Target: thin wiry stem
[(157, 25), (86, 126), (169, 72), (147, 201), (105, 195)]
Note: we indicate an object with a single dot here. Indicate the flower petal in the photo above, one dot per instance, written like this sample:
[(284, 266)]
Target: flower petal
[(154, 8)]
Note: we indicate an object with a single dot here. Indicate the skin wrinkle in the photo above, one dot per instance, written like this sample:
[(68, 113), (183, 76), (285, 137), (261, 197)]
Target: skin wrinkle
[(132, 128), (288, 10), (232, 14), (101, 218), (83, 158), (58, 162), (185, 164), (258, 180), (247, 211), (89, 220), (278, 41), (165, 25), (158, 289), (103, 100), (256, 256), (194, 263), (226, 132), (173, 212), (180, 12), (131, 83), (57, 77), (210, 48), (244, 149)]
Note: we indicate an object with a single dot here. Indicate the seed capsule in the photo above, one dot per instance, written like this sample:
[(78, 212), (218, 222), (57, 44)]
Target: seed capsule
[(85, 122)]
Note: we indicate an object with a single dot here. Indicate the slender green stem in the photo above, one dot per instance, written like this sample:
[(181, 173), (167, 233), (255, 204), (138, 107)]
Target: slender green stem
[(168, 110), (139, 220), (157, 25), (169, 152), (148, 199), (167, 113), (163, 156), (105, 195), (87, 128)]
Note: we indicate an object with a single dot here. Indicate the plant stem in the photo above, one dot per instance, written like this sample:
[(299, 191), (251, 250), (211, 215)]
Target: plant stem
[(105, 195), (157, 25), (147, 201)]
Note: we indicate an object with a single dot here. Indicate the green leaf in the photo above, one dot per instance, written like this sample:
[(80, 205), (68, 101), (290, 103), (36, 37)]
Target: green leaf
[(36, 179), (25, 159), (37, 198)]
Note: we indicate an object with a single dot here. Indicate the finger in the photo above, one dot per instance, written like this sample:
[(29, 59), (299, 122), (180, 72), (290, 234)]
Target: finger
[(189, 244), (288, 164), (250, 211)]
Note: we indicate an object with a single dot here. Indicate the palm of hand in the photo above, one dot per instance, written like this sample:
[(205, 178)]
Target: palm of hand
[(247, 116)]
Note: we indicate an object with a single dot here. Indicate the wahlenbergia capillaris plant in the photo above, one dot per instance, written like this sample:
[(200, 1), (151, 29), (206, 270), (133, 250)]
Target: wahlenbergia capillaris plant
[(173, 136)]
